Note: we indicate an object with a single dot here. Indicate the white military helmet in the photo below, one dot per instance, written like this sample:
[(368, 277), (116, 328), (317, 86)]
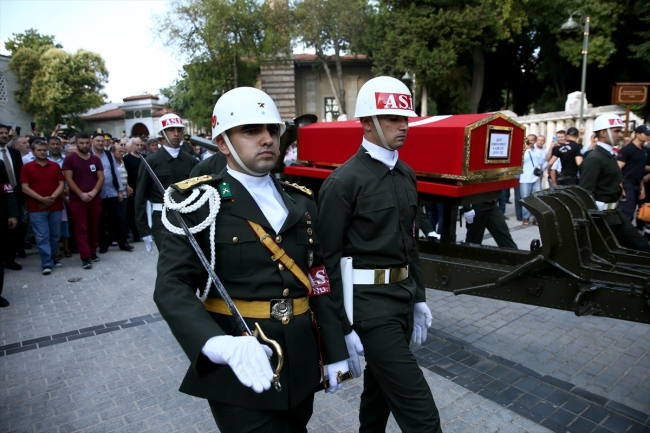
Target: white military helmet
[(170, 120), (606, 121), (244, 106), (384, 96)]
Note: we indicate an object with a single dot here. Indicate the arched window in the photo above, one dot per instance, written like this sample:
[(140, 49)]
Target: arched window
[(3, 88)]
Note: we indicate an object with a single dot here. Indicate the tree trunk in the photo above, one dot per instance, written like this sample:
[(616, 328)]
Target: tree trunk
[(560, 89), (339, 73), (424, 100), (235, 71), (323, 60), (478, 79)]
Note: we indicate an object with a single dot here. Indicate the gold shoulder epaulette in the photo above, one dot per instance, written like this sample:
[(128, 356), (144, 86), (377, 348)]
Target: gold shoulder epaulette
[(300, 188), (192, 182)]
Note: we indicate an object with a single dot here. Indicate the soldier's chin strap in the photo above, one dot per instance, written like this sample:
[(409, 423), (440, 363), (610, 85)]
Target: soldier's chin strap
[(380, 133), (238, 159), (611, 139)]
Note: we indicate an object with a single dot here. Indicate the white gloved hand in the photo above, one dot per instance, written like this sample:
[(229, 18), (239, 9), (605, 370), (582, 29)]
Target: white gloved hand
[(331, 373), (248, 359), (469, 216), (421, 322), (433, 235), (355, 349), (148, 241)]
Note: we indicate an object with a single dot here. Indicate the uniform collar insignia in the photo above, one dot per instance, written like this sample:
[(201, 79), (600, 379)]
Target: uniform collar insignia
[(225, 190)]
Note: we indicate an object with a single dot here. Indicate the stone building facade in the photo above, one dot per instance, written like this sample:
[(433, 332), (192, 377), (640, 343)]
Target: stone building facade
[(10, 112)]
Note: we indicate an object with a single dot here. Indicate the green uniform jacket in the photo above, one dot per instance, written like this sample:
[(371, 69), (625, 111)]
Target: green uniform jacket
[(601, 175), (247, 272), (169, 170), (212, 165), (367, 212)]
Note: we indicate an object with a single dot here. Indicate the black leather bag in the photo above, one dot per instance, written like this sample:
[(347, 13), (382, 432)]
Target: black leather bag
[(537, 171)]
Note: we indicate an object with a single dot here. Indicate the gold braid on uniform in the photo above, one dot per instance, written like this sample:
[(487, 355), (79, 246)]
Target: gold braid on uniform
[(211, 195)]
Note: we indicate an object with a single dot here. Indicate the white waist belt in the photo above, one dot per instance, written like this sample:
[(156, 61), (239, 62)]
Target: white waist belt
[(157, 207), (606, 206), (379, 276)]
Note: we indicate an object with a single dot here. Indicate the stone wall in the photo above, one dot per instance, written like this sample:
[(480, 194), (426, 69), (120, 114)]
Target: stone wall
[(278, 79), (10, 111)]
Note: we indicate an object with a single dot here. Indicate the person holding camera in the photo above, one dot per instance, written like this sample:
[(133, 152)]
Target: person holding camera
[(531, 179)]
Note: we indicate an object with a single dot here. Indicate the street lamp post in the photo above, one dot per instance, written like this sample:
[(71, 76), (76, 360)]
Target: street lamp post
[(570, 26)]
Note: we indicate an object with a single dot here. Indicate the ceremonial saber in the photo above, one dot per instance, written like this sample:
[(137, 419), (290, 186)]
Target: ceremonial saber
[(219, 286)]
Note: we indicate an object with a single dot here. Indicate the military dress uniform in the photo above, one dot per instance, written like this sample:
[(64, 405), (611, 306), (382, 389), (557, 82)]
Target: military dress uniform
[(212, 165), (367, 212), (600, 174), (169, 170), (253, 279)]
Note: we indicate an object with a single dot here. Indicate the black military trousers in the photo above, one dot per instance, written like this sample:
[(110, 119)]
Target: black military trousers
[(627, 235), (110, 223), (392, 379), (158, 228), (488, 215), (234, 419)]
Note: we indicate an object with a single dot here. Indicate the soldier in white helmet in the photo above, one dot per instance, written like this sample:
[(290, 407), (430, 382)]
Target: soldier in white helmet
[(600, 174), (239, 216), (171, 165), (368, 208)]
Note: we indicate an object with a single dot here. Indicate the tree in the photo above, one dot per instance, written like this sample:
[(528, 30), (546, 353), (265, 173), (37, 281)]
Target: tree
[(332, 26), (52, 83), (443, 42), (225, 33)]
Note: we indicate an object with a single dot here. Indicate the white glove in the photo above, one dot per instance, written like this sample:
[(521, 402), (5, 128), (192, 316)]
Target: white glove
[(469, 216), (355, 349), (421, 322), (148, 240), (434, 234), (248, 359), (332, 372)]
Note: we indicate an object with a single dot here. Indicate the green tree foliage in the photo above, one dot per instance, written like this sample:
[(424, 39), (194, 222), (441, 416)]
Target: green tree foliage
[(53, 84), (332, 26), (222, 43)]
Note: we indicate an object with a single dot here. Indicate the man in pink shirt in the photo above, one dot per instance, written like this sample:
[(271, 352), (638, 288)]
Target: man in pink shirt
[(84, 174)]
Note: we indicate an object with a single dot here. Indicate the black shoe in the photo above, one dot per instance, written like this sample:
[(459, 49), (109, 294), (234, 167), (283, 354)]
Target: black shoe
[(13, 266), (94, 258), (86, 264), (103, 250), (21, 253), (126, 247), (3, 302), (136, 240)]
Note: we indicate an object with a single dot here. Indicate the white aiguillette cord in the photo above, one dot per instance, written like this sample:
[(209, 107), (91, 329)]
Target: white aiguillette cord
[(184, 207)]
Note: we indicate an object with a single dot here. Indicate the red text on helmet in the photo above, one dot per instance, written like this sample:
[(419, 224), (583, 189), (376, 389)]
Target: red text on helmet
[(615, 122), (172, 121), (387, 101)]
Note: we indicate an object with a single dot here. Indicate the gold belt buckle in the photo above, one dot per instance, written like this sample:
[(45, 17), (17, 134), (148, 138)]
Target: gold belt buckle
[(398, 274), (282, 310), (380, 276)]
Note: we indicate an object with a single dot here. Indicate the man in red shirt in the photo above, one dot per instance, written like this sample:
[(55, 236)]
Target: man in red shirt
[(42, 183), (84, 174)]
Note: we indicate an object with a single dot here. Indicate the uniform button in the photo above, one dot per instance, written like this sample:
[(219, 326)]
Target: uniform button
[(309, 231), (281, 267), (285, 293), (311, 241), (278, 239), (235, 239)]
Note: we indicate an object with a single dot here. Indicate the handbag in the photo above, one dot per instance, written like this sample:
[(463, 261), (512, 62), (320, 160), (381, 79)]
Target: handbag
[(644, 212), (536, 171)]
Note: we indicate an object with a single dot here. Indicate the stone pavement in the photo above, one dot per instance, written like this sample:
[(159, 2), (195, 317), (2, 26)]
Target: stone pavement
[(94, 356)]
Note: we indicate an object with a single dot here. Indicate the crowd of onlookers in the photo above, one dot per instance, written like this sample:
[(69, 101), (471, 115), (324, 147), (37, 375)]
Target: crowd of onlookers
[(75, 194)]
